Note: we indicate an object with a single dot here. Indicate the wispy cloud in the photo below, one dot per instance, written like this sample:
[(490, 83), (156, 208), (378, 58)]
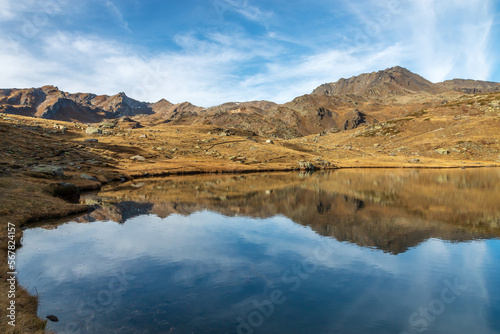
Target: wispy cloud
[(448, 39), (115, 11), (242, 7), (5, 10)]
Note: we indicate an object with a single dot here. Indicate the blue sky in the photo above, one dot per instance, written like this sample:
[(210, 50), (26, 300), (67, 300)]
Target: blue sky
[(213, 51)]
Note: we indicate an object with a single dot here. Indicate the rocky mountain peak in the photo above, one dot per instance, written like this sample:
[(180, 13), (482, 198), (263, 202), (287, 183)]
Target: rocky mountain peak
[(392, 81)]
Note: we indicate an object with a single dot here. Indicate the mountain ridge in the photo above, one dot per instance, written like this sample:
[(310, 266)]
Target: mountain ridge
[(345, 104)]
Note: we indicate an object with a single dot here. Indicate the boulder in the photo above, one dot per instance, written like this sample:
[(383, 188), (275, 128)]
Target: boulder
[(93, 131), (306, 165), (48, 169), (88, 177), (52, 317), (442, 151), (138, 158)]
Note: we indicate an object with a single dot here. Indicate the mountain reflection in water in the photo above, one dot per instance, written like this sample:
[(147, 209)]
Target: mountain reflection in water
[(391, 210)]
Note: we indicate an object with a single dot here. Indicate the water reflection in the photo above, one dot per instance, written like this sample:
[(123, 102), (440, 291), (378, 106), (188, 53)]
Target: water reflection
[(390, 210), (248, 254)]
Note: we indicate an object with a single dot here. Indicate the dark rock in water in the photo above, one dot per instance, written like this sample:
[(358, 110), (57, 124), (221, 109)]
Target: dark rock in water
[(53, 318), (66, 191)]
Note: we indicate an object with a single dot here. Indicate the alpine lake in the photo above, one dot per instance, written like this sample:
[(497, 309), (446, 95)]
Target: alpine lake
[(348, 251)]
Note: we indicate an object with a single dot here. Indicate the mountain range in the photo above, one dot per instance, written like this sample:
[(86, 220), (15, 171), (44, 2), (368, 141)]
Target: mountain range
[(332, 107)]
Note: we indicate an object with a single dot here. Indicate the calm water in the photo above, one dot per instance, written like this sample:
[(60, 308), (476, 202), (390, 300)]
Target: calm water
[(358, 251)]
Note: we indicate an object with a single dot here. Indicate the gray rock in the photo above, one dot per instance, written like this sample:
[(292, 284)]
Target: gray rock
[(306, 165), (47, 169), (93, 131), (138, 158), (88, 177), (91, 140)]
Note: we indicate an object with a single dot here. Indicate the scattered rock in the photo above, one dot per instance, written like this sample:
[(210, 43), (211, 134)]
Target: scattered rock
[(306, 165), (91, 140), (47, 169), (269, 141), (93, 131), (61, 127), (88, 177), (107, 125), (442, 151), (138, 158), (143, 136), (414, 160)]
